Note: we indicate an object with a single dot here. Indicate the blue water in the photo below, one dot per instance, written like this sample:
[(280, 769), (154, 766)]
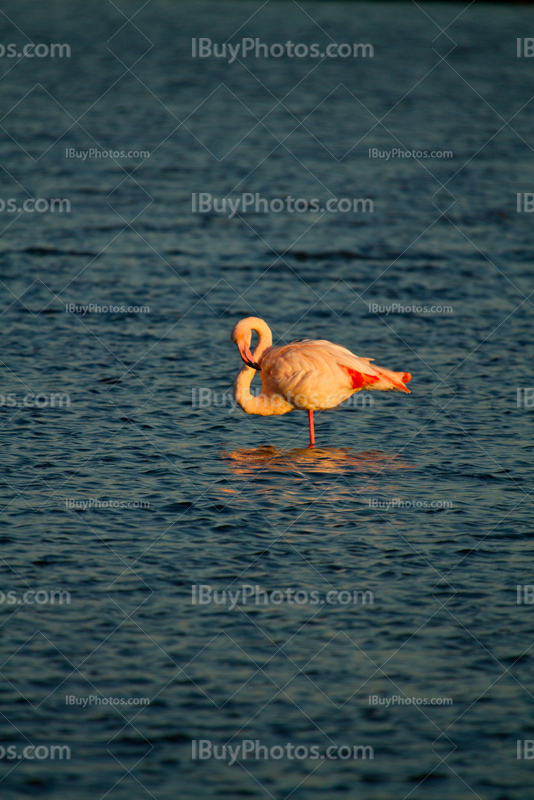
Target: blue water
[(212, 496)]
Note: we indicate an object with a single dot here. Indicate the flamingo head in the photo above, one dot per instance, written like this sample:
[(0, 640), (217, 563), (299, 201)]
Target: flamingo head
[(241, 336)]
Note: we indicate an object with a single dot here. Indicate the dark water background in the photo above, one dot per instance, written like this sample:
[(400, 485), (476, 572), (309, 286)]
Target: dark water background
[(235, 499)]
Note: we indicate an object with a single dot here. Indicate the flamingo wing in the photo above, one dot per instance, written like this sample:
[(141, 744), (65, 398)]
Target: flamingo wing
[(365, 375), (317, 374)]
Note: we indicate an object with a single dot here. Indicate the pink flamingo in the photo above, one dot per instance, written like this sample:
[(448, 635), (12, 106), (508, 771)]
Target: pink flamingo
[(312, 374)]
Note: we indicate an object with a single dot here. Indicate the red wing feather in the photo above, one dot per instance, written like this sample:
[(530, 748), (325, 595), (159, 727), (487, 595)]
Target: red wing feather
[(359, 379)]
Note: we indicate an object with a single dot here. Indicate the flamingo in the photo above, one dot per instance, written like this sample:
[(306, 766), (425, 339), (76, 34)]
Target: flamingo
[(311, 374)]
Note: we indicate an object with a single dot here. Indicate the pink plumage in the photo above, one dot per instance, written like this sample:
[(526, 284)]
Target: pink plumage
[(311, 374)]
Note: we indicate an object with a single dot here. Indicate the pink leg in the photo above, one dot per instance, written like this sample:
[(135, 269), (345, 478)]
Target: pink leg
[(312, 431)]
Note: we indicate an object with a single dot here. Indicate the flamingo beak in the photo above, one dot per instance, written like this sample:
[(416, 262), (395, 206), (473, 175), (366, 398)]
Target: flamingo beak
[(246, 355)]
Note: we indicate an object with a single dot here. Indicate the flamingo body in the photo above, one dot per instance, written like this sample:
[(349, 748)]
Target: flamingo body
[(311, 374)]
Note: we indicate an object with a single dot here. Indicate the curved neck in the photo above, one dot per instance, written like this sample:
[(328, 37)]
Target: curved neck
[(265, 338), (248, 402)]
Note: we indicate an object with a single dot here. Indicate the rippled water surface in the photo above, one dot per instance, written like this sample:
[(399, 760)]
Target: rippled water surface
[(208, 495)]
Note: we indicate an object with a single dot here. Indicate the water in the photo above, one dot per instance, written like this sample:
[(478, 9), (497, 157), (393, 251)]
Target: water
[(214, 497)]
